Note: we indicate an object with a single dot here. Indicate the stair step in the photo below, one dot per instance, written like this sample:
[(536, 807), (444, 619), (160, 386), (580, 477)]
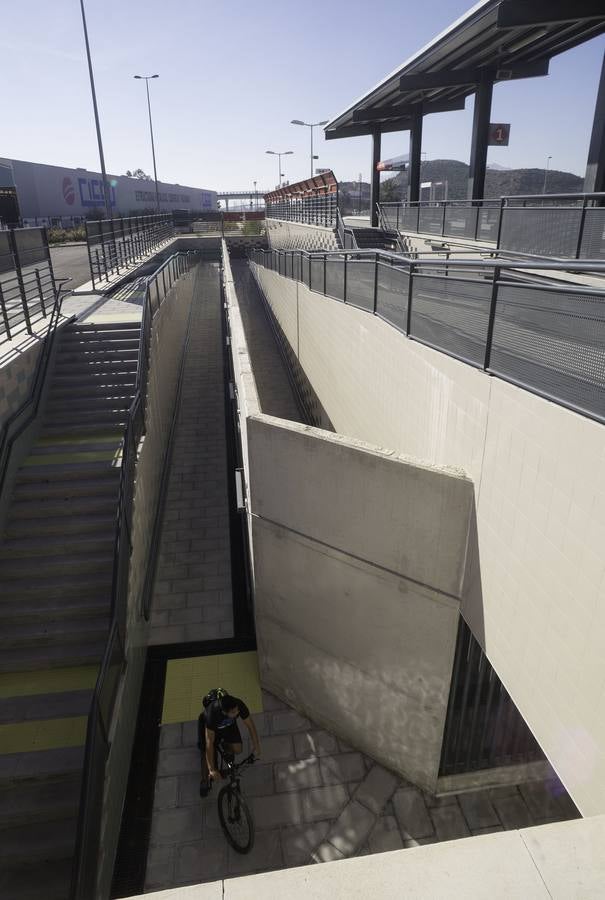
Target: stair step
[(29, 492), (67, 523), (38, 842), (37, 707), (51, 656), (81, 429), (112, 341), (57, 586), (71, 382), (51, 471), (50, 880), (92, 327), (36, 547), (89, 405), (62, 633), (41, 609), (87, 444), (49, 567), (101, 416), (47, 801), (89, 392), (97, 358), (21, 768)]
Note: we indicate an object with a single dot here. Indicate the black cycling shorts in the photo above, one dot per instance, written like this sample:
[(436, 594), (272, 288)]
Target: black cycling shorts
[(230, 735)]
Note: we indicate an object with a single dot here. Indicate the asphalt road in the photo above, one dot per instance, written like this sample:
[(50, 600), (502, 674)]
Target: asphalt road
[(71, 261)]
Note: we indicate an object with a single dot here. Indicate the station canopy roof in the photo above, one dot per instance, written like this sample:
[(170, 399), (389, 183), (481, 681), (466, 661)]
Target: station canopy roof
[(496, 40)]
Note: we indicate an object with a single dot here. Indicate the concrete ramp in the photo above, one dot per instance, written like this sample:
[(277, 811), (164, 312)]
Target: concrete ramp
[(359, 560)]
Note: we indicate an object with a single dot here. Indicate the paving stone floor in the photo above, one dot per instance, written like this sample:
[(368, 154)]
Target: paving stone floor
[(315, 799), (192, 596)]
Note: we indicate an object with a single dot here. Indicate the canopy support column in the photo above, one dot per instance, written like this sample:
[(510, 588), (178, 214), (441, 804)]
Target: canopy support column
[(481, 117), (594, 180), (375, 178), (415, 156)]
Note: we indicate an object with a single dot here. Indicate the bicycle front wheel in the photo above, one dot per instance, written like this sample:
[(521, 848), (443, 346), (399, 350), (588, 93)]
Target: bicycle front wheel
[(236, 819)]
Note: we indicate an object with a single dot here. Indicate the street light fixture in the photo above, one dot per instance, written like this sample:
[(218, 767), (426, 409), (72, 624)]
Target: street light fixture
[(310, 125), (106, 194), (279, 155), (548, 159), (147, 79)]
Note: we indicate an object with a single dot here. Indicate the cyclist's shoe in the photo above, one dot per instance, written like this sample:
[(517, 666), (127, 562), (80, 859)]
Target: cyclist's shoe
[(205, 787)]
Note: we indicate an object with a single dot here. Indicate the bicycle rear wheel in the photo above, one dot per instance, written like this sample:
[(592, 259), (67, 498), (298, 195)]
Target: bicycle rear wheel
[(236, 819)]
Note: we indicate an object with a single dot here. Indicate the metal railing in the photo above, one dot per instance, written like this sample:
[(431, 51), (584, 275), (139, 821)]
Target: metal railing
[(27, 282), (115, 245), (306, 210), (565, 226), (86, 855), (491, 314)]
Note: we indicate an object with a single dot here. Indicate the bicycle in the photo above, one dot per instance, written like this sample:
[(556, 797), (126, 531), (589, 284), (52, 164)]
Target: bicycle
[(233, 812)]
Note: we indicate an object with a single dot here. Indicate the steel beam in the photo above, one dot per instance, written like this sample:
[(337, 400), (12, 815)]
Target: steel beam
[(415, 156), (460, 77), (517, 13), (392, 112), (359, 129), (594, 180), (481, 117), (375, 179)]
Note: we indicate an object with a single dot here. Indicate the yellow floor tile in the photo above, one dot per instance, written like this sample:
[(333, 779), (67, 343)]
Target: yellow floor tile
[(48, 681), (46, 734), (188, 680)]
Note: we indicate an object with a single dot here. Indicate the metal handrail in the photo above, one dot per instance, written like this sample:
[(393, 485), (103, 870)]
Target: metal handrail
[(21, 418), (582, 392), (99, 725), (120, 243)]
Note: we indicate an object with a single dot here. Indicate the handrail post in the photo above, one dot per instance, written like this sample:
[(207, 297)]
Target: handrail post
[(21, 283), (581, 228), (408, 324), (499, 233), (375, 305), (4, 313), (344, 280), (492, 318), (40, 291), (325, 272), (443, 219)]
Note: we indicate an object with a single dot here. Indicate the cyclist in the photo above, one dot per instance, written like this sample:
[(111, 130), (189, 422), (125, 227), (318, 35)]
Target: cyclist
[(218, 721)]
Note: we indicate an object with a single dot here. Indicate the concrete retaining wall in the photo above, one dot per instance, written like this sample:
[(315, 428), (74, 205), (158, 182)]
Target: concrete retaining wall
[(358, 565), (535, 583), (359, 561)]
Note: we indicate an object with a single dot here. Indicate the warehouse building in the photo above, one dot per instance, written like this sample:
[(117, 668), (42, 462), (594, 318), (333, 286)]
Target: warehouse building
[(39, 194)]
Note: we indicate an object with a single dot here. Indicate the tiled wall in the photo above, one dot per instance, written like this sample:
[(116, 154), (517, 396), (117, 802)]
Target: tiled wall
[(535, 591)]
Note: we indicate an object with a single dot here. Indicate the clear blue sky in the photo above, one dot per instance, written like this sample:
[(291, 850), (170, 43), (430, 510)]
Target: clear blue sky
[(233, 74)]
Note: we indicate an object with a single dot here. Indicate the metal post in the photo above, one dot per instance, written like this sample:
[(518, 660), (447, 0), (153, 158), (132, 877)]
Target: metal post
[(594, 180), (106, 193), (375, 179), (415, 155), (408, 326), (581, 228), (40, 291), (375, 283), (481, 117), (492, 318), (4, 314)]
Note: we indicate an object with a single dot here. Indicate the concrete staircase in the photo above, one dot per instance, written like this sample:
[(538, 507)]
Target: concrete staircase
[(56, 565), (376, 239)]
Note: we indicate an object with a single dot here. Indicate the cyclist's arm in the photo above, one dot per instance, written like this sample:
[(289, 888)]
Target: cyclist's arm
[(253, 734), (211, 754)]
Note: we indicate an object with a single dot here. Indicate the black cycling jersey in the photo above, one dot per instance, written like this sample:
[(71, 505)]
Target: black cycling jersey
[(218, 721)]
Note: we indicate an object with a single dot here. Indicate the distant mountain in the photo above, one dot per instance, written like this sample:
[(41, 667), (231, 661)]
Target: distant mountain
[(498, 183), (499, 167)]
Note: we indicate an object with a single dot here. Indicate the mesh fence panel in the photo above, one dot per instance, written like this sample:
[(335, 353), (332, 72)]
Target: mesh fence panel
[(317, 274), (431, 220), (460, 221), (541, 230), (390, 216), (553, 342), (360, 283), (593, 236), (392, 294), (408, 218), (488, 223), (335, 277), (452, 314)]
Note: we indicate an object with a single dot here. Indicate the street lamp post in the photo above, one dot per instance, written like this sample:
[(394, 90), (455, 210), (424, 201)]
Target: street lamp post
[(106, 194), (548, 159), (279, 156), (310, 125), (147, 79)]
